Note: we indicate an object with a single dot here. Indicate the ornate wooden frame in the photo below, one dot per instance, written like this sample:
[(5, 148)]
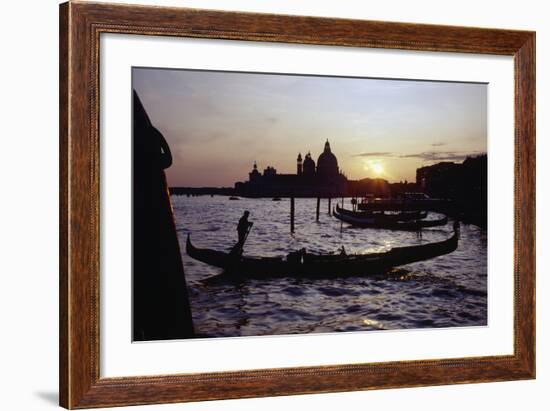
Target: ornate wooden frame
[(80, 27)]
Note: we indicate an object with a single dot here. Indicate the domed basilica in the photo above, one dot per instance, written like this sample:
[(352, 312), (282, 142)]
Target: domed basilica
[(327, 164), (310, 180)]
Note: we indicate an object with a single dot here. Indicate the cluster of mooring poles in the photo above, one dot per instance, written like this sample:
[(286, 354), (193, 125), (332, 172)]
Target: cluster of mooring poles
[(317, 210)]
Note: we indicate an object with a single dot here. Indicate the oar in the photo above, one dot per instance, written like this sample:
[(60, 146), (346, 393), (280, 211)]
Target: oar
[(246, 235)]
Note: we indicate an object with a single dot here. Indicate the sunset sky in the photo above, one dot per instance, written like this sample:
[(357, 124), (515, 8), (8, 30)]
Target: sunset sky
[(218, 123)]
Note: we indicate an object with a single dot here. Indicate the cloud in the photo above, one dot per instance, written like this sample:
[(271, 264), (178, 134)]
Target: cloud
[(376, 154), (442, 155), (425, 155)]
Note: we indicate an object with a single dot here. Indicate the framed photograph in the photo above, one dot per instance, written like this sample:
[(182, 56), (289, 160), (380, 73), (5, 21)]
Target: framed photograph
[(258, 205)]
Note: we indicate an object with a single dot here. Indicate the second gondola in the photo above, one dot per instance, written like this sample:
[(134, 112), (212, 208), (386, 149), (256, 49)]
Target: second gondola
[(389, 224), (383, 216)]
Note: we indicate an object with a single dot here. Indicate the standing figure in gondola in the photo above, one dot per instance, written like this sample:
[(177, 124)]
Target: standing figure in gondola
[(242, 230)]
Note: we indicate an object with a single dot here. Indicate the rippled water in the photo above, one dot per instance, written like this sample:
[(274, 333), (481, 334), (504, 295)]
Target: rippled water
[(447, 291)]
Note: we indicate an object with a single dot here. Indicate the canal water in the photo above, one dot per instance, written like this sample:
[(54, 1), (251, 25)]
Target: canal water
[(448, 291)]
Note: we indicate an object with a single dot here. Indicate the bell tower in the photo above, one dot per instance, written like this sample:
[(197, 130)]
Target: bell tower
[(299, 164)]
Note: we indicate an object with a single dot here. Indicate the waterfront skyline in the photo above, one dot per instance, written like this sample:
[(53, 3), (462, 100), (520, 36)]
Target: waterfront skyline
[(218, 123)]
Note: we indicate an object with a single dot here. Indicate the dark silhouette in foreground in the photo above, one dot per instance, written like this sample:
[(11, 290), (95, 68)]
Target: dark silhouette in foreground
[(160, 302)]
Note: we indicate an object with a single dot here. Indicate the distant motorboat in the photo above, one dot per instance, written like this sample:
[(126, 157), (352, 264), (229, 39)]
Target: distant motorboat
[(234, 198), (276, 198)]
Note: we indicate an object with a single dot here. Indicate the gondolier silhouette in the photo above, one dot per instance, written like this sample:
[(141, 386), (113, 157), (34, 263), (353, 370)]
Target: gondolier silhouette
[(243, 228)]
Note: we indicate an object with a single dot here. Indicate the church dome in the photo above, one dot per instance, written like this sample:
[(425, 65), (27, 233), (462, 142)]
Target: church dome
[(327, 164), (309, 165)]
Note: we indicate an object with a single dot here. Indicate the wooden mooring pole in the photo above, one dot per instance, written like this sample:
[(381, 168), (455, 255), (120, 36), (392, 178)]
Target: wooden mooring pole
[(329, 208), (318, 206), (292, 214)]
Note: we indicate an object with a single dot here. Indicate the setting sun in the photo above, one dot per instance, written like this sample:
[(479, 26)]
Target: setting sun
[(374, 166), (377, 168)]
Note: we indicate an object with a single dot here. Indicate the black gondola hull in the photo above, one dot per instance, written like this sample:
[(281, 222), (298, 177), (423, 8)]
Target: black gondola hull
[(382, 217), (389, 225), (302, 264)]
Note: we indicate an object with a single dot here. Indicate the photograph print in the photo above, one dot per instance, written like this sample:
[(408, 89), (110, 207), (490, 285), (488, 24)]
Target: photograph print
[(272, 204)]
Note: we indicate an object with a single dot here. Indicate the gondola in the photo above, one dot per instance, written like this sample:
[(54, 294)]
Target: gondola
[(303, 264), (374, 222), (381, 216)]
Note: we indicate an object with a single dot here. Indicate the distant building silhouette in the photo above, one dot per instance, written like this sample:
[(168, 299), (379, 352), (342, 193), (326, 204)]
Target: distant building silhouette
[(455, 180), (465, 184), (309, 180), (327, 164)]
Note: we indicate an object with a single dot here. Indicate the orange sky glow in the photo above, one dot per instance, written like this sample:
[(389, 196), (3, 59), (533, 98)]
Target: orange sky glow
[(218, 123)]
